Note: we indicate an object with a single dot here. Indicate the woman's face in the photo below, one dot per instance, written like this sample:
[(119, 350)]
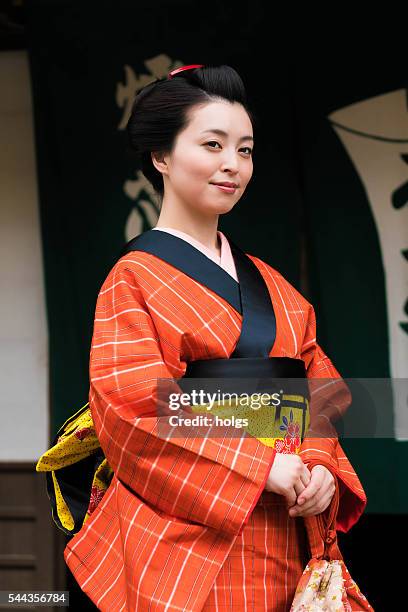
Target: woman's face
[(201, 157)]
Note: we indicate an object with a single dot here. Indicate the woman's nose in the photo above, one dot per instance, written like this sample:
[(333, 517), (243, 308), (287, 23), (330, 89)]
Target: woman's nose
[(230, 162)]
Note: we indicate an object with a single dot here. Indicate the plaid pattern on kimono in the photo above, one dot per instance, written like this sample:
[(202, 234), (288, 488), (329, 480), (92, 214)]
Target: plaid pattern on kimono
[(176, 509)]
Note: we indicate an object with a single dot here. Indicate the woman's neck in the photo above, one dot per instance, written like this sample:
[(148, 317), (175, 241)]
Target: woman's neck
[(206, 233)]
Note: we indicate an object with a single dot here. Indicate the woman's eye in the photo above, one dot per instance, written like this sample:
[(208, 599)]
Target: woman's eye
[(217, 143)]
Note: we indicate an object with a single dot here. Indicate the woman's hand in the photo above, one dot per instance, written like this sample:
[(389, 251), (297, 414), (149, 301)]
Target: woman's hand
[(289, 477), (316, 497)]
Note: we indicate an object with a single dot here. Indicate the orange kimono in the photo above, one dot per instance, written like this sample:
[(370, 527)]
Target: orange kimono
[(186, 523)]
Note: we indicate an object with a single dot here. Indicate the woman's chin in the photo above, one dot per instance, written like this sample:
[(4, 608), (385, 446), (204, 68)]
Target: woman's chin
[(217, 206), (220, 208)]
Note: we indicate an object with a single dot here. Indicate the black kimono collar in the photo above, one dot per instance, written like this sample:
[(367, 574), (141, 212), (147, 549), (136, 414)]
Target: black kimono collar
[(250, 297)]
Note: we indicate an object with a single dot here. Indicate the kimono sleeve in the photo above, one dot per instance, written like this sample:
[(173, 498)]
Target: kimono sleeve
[(211, 481), (329, 399)]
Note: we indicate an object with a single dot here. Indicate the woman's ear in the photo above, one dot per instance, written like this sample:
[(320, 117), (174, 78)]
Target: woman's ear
[(159, 161)]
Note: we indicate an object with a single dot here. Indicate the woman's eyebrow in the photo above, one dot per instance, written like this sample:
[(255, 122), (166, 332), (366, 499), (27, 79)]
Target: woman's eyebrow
[(222, 133)]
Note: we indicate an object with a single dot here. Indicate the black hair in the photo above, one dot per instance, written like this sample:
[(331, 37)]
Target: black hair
[(160, 111)]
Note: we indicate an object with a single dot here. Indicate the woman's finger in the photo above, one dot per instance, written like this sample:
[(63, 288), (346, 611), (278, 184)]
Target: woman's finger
[(316, 505), (312, 488), (302, 483), (291, 497), (305, 476), (299, 488)]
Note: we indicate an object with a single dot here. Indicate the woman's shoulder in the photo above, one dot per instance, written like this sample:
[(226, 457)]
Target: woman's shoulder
[(128, 270), (133, 263), (278, 283)]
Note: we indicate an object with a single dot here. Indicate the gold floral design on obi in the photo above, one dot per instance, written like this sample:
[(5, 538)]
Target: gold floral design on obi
[(281, 426)]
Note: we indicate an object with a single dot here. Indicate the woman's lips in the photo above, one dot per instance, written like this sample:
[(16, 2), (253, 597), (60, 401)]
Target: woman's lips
[(224, 188)]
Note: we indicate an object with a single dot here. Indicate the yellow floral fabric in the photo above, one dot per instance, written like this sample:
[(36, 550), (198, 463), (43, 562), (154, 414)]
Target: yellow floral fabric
[(77, 439)]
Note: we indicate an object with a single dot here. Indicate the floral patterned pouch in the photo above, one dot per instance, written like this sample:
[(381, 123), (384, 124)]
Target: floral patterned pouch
[(326, 583)]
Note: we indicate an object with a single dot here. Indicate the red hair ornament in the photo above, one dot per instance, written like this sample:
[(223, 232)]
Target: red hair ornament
[(172, 73)]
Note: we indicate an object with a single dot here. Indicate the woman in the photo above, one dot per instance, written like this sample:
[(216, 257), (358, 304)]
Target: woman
[(194, 523)]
